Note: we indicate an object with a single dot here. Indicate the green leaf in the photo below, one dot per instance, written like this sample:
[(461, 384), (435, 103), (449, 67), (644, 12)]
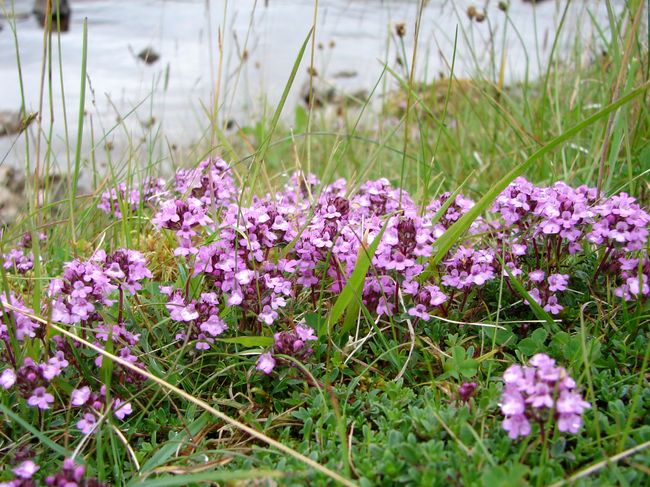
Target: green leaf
[(539, 336), (249, 341), (506, 476), (528, 346), (302, 119), (459, 365)]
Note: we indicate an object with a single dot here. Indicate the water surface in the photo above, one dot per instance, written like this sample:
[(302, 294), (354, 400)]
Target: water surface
[(356, 37)]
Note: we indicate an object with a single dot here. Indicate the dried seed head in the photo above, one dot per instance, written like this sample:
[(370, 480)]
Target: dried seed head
[(400, 29)]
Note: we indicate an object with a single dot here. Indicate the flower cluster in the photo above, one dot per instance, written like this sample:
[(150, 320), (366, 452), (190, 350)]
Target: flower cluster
[(199, 192), (125, 268), (33, 379), (24, 472), (30, 378), (87, 284), (210, 182), (20, 259), (634, 275), (468, 268), (307, 239), (70, 475), (293, 343), (23, 327), (202, 317), (622, 223), (560, 220), (184, 217), (537, 393)]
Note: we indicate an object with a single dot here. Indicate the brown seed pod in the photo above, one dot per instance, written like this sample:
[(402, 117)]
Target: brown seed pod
[(400, 29)]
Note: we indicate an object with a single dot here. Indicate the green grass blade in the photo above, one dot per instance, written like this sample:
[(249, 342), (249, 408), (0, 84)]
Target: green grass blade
[(42, 437), (80, 127), (207, 477), (258, 160), (455, 232), (249, 341), (166, 451), (540, 313), (354, 287)]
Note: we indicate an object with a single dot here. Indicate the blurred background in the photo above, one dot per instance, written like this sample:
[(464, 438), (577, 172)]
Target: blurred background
[(153, 65)]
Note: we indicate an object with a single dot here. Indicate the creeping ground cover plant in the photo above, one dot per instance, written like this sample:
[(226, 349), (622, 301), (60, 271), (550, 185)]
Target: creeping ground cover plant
[(232, 299)]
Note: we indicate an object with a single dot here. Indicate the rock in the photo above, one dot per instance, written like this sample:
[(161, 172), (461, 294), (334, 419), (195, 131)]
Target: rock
[(13, 192), (345, 74), (12, 123), (322, 93), (325, 93), (40, 10), (148, 55)]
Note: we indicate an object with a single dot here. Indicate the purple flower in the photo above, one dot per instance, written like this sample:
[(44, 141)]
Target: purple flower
[(558, 282), (621, 223), (40, 398), (569, 423), (19, 260), (7, 378), (26, 469), (24, 326), (466, 390), (202, 316), (115, 199), (265, 363), (305, 333), (552, 306), (54, 366), (213, 326), (469, 267), (533, 392), (516, 425), (79, 397), (87, 424), (571, 403), (125, 268), (122, 409), (71, 475), (512, 402), (420, 311)]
